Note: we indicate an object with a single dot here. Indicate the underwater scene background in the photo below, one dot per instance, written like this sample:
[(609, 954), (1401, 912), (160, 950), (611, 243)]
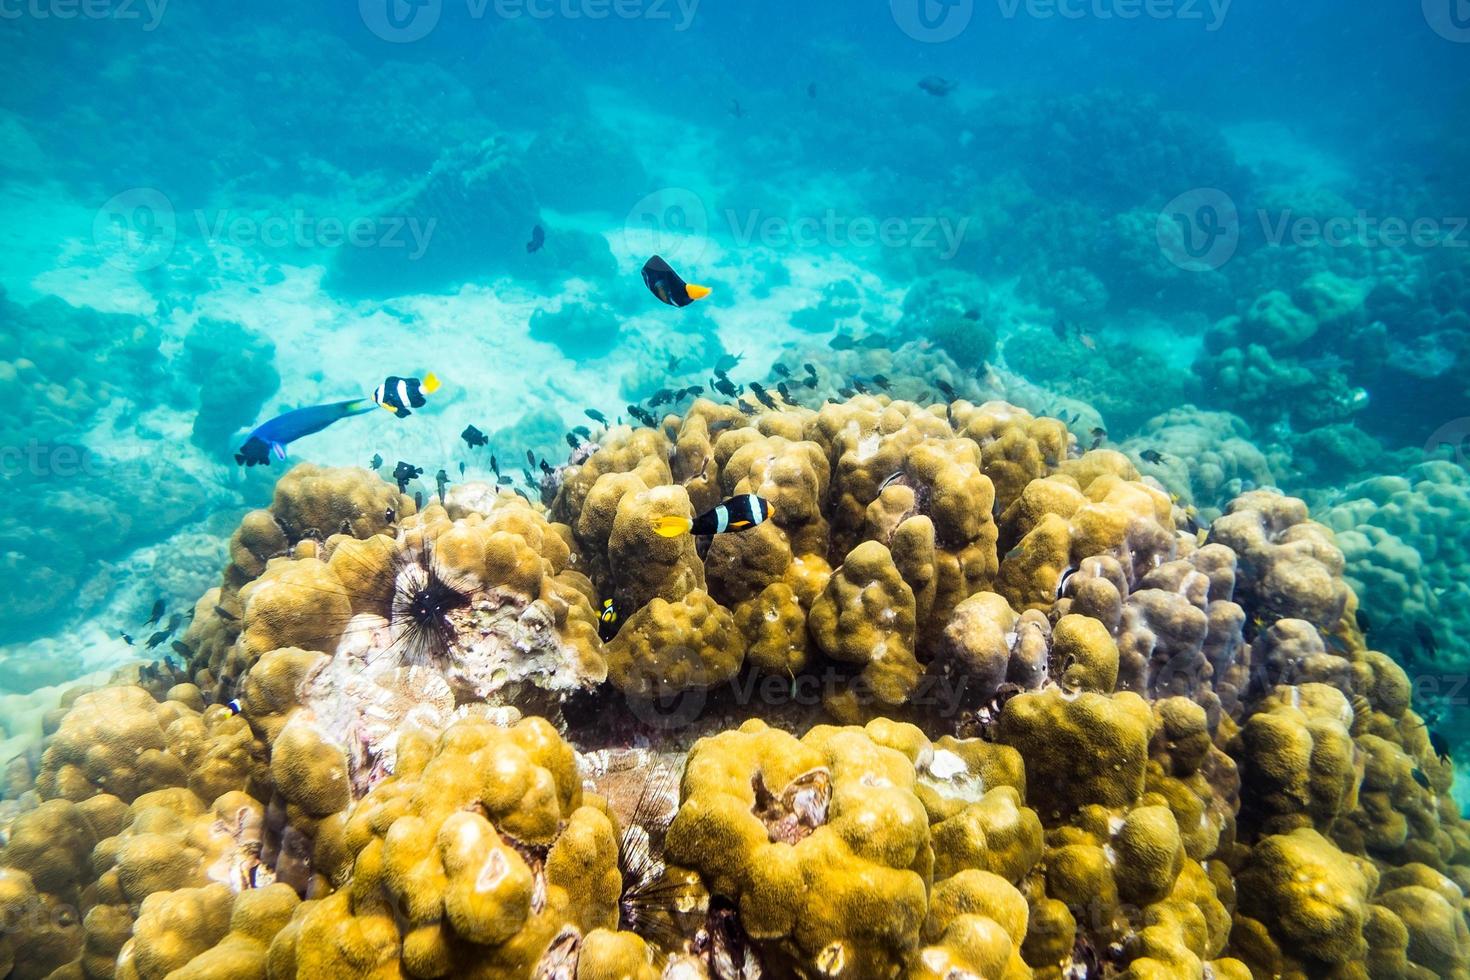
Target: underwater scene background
[(1098, 368)]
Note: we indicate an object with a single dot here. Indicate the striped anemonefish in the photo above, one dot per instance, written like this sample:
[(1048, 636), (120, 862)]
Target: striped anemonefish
[(398, 395), (736, 514), (668, 286)]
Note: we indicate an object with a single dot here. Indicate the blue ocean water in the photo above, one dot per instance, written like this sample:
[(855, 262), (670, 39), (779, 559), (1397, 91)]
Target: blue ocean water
[(1226, 238)]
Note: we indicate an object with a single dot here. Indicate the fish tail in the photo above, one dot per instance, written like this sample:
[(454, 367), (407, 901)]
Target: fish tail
[(430, 383), (672, 526), (696, 291)]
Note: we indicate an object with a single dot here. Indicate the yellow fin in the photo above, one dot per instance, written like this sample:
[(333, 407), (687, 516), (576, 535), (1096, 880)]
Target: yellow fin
[(430, 383), (695, 291), (672, 527), (387, 408)]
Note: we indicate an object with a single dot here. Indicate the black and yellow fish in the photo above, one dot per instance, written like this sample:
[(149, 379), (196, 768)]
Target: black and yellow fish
[(398, 395), (667, 285), (736, 514), (608, 619)]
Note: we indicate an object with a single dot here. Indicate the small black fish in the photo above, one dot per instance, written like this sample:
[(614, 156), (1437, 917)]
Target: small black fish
[(461, 469), (546, 468), (494, 465), (1420, 778), (846, 392), (946, 389), (225, 614), (418, 499), (1440, 745), (785, 392), (781, 370), (673, 363), (809, 382), (858, 384), (503, 481), (809, 369), (882, 382), (530, 458), (643, 416), (174, 621), (376, 463), (582, 431), (842, 342), (762, 396), (405, 472), (572, 440), (156, 639), (936, 86), (1099, 436), (728, 362), (181, 649), (661, 397), (538, 239), (1152, 456), (441, 482), (125, 638), (724, 387), (1363, 624), (596, 416), (972, 314), (608, 620), (473, 437), (530, 478), (1426, 638), (157, 613)]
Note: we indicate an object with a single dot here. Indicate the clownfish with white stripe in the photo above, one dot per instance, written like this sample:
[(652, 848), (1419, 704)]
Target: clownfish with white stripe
[(398, 395), (736, 514)]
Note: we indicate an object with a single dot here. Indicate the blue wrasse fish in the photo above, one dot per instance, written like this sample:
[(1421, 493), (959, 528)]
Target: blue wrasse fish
[(398, 395), (274, 436), (736, 514), (667, 285)]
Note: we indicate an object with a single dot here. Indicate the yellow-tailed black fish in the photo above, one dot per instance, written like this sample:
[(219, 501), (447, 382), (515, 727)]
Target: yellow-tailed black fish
[(667, 285), (608, 619), (740, 513)]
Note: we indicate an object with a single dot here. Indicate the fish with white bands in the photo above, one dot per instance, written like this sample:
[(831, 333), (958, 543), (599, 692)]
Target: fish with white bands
[(398, 395), (739, 513)]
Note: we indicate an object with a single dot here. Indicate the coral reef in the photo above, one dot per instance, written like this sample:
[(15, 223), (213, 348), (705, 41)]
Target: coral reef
[(972, 702)]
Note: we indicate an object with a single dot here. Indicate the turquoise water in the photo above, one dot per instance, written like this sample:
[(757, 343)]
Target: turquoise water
[(1227, 239)]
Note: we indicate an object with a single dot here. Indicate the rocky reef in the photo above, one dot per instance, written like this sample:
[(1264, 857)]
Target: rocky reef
[(974, 702)]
